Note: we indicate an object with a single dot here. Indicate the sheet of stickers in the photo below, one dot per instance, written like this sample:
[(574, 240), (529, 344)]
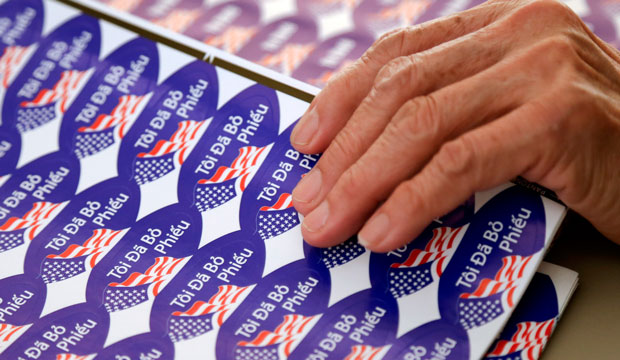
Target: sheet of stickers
[(145, 213), (329, 34)]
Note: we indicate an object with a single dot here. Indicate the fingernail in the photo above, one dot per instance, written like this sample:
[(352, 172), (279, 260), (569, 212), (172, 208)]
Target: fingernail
[(307, 127), (309, 186), (317, 219), (374, 230)]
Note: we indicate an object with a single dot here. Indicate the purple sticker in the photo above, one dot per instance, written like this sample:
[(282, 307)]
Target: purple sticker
[(30, 203), (358, 327), (601, 21), (278, 314), (21, 301), (531, 324), (381, 16), (208, 290), (107, 108), (21, 23), (321, 7), (76, 330), (43, 91), (282, 45), (222, 165), (150, 255), (435, 340), (331, 57), (495, 251), (176, 15), (110, 205), (444, 8), (139, 347), (228, 26), (166, 132), (51, 178)]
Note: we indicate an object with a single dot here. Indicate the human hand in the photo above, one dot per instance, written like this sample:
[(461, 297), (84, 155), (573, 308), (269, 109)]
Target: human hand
[(432, 113)]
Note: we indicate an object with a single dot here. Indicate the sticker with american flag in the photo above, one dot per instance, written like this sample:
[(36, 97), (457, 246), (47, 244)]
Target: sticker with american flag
[(40, 98), (228, 26), (232, 39), (22, 22), (424, 266), (168, 155), (77, 259), (527, 342), (275, 47), (178, 20), (11, 61), (75, 357), (380, 16), (123, 5), (107, 129), (536, 316), (319, 7), (66, 274), (279, 343), (371, 321), (17, 231), (85, 323), (142, 286), (494, 295), (204, 316), (129, 302), (282, 329), (229, 181), (367, 352), (9, 333), (332, 56)]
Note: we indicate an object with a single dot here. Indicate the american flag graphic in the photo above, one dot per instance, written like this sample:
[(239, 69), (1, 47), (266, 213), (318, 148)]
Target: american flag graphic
[(108, 128), (17, 231), (201, 316), (407, 11), (278, 218), (418, 270), (168, 155), (63, 92), (9, 333), (10, 60), (179, 20), (365, 352), (278, 344), (232, 39), (488, 301), (527, 342), (342, 253), (124, 5), (75, 357), (287, 59), (228, 181), (141, 287), (322, 80), (77, 259)]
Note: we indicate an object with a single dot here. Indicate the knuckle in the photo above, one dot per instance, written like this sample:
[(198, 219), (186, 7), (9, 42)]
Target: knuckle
[(352, 182), (536, 9), (396, 74), (419, 118), (406, 195), (388, 46), (344, 148), (456, 158)]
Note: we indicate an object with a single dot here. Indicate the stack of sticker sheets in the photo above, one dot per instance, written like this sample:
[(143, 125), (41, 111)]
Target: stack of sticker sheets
[(313, 39), (145, 213)]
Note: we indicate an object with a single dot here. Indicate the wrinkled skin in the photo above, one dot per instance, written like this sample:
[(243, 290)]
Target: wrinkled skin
[(432, 113)]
